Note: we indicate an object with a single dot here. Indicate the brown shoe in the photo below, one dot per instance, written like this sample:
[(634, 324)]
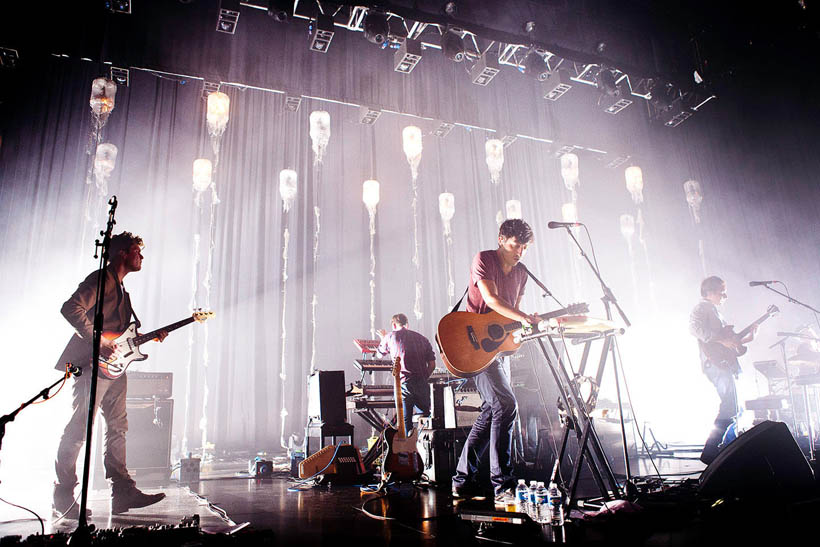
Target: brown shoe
[(65, 506), (132, 498)]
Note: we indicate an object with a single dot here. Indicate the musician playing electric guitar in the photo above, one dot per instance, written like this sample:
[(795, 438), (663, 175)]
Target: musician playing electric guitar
[(719, 347), (497, 282), (125, 254)]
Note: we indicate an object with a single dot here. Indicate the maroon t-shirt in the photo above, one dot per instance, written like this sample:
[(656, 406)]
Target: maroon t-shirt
[(486, 265)]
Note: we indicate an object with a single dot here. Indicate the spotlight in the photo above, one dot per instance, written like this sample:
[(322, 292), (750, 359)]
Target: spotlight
[(118, 6), (452, 44), (662, 96), (407, 56), (606, 82), (529, 27), (280, 10), (292, 102), (485, 69), (208, 88), (368, 116), (120, 76), (9, 58), (228, 16), (536, 67), (443, 129), (450, 8), (322, 34), (556, 85), (600, 47), (376, 27)]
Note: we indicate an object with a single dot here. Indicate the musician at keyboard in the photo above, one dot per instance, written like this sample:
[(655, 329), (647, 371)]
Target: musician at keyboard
[(417, 363)]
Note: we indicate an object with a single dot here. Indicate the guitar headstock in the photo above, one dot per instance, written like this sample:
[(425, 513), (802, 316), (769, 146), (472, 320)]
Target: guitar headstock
[(772, 310), (577, 308), (396, 367), (201, 315)]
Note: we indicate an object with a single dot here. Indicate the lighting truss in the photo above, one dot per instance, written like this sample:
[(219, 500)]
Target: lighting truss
[(443, 129), (121, 76), (368, 115), (407, 56), (617, 161), (508, 139), (322, 34), (228, 16)]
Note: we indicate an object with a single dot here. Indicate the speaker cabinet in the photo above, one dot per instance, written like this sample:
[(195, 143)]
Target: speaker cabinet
[(763, 461), (326, 397), (147, 443)]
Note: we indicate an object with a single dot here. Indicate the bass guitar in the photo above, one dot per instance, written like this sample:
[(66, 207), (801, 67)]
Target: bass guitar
[(127, 345), (726, 357), (401, 460), (469, 342)]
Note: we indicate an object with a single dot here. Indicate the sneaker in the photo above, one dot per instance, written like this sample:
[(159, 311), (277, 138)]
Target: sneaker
[(132, 498), (503, 495)]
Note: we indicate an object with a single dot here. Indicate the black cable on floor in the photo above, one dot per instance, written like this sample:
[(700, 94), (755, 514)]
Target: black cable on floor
[(42, 526)]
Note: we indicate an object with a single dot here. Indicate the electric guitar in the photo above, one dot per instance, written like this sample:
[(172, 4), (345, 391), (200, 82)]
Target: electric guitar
[(725, 357), (401, 460), (127, 345), (469, 342)]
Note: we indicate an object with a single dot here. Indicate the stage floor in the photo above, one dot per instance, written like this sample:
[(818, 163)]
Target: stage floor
[(286, 511)]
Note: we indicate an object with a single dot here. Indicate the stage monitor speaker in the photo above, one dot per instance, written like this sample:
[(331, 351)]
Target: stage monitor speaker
[(765, 460), (326, 397), (147, 443)]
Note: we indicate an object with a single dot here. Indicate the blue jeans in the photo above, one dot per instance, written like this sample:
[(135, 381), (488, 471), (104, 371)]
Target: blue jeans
[(415, 393), (492, 429), (724, 382)]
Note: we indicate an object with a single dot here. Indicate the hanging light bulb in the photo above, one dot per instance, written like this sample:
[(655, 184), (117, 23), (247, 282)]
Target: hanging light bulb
[(634, 183), (411, 142), (203, 171), (103, 94), (447, 209), (569, 212), (494, 150), (513, 209), (627, 226), (219, 105), (319, 133), (569, 171), (370, 195), (287, 187)]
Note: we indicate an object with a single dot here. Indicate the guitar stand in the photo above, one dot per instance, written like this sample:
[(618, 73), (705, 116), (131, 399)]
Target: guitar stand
[(578, 420)]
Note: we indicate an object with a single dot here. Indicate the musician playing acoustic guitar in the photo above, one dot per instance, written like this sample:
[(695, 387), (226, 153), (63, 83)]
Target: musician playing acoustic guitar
[(125, 254), (721, 368), (497, 282)]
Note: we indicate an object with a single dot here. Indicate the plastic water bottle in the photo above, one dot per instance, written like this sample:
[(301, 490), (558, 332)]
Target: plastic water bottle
[(542, 500), (556, 505), (522, 496), (532, 505)]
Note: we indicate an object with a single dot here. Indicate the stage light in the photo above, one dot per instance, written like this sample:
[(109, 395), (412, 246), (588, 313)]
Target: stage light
[(443, 129), (536, 67), (218, 111), (370, 194), (280, 10), (208, 88), (375, 27), (120, 76), (452, 44), (606, 82), (322, 33), (556, 85), (287, 187), (293, 102), (9, 58), (634, 183), (368, 116), (450, 8), (228, 16), (407, 56), (485, 69), (613, 97), (118, 6)]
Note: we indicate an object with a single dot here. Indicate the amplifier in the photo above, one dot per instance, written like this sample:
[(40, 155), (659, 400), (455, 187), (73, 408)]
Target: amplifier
[(147, 385)]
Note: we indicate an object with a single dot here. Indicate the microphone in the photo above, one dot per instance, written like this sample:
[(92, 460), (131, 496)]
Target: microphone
[(74, 369), (553, 224), (756, 283)]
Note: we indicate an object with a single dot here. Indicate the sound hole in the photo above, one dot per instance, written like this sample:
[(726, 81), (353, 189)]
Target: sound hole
[(495, 331)]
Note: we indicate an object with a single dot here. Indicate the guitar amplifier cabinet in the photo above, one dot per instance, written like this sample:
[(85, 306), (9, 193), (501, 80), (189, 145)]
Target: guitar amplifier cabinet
[(326, 397), (440, 450), (147, 385)]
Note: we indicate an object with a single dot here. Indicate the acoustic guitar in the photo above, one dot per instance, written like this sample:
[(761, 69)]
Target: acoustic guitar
[(402, 461), (469, 342)]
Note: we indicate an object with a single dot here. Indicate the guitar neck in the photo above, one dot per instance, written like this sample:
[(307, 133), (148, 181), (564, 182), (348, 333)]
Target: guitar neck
[(148, 336), (400, 433), (747, 330), (515, 325)]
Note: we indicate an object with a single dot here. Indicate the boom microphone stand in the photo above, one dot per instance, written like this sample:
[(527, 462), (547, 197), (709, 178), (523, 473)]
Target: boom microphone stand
[(82, 534), (609, 300)]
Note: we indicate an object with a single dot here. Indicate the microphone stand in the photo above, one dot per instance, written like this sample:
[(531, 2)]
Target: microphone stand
[(609, 300), (71, 369), (793, 300), (82, 535)]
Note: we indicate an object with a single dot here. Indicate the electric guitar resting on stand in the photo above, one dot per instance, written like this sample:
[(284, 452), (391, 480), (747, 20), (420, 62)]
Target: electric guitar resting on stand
[(402, 461), (469, 342)]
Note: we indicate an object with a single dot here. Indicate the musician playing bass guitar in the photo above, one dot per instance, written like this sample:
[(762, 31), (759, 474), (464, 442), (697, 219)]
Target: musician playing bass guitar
[(719, 347), (497, 282), (125, 254)]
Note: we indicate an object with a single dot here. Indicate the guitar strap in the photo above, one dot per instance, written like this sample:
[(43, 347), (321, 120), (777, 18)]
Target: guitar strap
[(458, 304), (136, 319)]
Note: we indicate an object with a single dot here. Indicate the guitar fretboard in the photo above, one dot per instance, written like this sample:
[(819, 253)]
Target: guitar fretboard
[(148, 336)]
